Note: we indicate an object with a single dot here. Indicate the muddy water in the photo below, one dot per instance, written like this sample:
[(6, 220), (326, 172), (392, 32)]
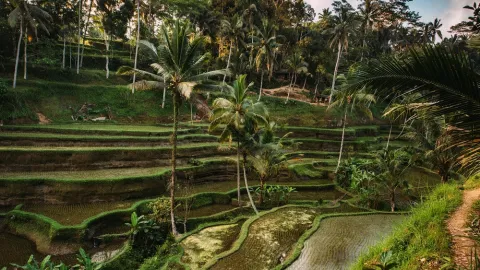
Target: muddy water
[(201, 247), (16, 249), (268, 238), (340, 240), (72, 214)]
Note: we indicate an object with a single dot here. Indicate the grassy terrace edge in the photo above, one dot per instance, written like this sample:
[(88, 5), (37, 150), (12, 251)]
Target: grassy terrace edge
[(51, 230), (421, 235)]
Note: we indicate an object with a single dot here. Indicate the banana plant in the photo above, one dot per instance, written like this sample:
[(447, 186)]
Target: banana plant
[(136, 224)]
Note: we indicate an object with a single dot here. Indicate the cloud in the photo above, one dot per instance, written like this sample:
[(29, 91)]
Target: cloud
[(454, 14)]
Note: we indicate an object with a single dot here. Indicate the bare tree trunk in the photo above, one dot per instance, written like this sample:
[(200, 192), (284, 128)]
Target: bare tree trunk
[(239, 198), (79, 35), (392, 200), (304, 83), (136, 48), (64, 48), (316, 89), (85, 31), (261, 87), (228, 61), (336, 71), (291, 87), (246, 184), (262, 190), (389, 135), (107, 48), (164, 92), (343, 139), (176, 103), (25, 55), (70, 55), (18, 54)]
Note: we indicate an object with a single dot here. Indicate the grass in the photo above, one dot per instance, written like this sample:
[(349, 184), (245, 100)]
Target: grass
[(95, 127), (472, 182), (422, 235), (74, 137)]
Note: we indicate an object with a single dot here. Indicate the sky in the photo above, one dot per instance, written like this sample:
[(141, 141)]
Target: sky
[(450, 12)]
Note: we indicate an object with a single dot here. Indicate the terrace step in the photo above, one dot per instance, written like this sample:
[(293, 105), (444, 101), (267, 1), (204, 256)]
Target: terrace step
[(71, 140), (83, 129), (23, 158)]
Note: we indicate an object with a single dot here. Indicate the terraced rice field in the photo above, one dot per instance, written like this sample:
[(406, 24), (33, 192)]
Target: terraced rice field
[(340, 240), (72, 214), (205, 210), (201, 247), (272, 237)]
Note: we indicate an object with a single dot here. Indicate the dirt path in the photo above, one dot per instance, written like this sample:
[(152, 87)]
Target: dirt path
[(456, 224)]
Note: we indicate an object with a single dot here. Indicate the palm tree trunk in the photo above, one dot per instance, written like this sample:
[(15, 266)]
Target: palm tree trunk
[(316, 89), (228, 61), (107, 47), (176, 102), (239, 198), (304, 83), (291, 87), (25, 55), (79, 35), (85, 32), (70, 55), (136, 48), (343, 139), (164, 92), (392, 200), (191, 112), (246, 184), (262, 190), (336, 71), (261, 86), (64, 49), (18, 54), (389, 136)]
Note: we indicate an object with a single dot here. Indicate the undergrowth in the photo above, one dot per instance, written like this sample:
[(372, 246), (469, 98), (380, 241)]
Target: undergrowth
[(421, 241)]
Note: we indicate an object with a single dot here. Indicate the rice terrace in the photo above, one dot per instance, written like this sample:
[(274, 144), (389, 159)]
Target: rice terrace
[(239, 134)]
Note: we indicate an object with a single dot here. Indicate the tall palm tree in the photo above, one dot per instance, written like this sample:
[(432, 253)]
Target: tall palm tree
[(267, 44), (26, 16), (238, 112), (350, 103), (137, 43), (369, 12), (234, 34), (435, 29), (440, 75), (179, 62), (344, 24), (296, 64)]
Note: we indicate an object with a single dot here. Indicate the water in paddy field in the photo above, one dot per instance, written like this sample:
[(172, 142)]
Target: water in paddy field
[(340, 240), (16, 249)]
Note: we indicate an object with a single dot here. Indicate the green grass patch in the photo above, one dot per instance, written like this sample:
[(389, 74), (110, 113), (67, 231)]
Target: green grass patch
[(422, 235)]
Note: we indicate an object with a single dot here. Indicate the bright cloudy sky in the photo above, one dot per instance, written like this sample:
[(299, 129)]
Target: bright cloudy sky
[(450, 12)]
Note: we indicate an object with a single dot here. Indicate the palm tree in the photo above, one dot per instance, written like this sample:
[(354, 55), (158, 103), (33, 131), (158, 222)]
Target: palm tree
[(393, 166), (369, 14), (344, 25), (180, 63), (435, 29), (440, 75), (266, 44), (136, 47), (26, 16), (353, 103), (233, 32), (238, 112), (296, 65)]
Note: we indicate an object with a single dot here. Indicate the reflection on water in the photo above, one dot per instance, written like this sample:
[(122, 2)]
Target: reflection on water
[(340, 240)]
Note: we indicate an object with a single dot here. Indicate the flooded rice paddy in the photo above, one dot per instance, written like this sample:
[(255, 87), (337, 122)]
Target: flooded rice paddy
[(272, 237), (340, 240), (16, 249), (201, 247)]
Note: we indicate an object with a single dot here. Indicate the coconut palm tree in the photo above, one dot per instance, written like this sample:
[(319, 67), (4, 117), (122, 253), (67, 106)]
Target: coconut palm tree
[(350, 103), (26, 16), (179, 62), (239, 114), (296, 64), (137, 43), (444, 77), (369, 12), (435, 29), (344, 24), (234, 34), (267, 43)]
